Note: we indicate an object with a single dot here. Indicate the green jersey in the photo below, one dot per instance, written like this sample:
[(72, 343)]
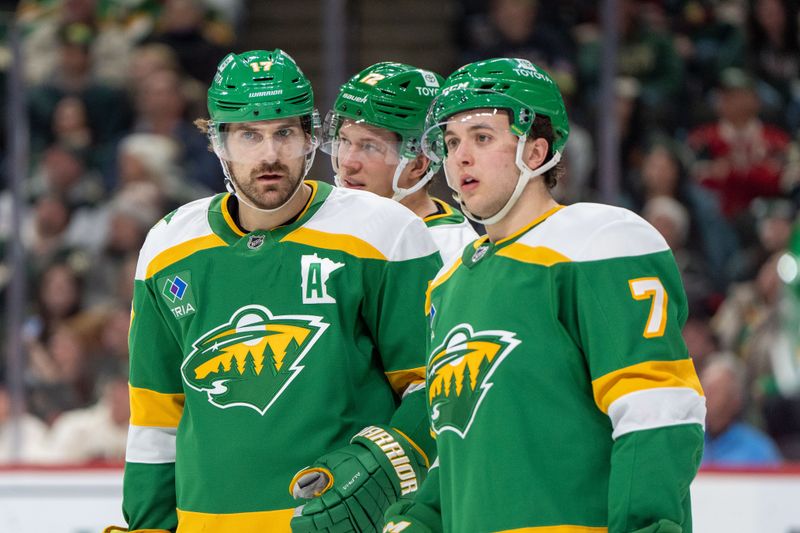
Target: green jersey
[(560, 390), (252, 354), (450, 230)]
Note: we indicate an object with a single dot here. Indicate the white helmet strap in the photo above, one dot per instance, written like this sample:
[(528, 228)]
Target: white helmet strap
[(525, 175)]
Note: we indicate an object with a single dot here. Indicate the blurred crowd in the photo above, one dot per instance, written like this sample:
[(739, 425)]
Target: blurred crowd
[(707, 102)]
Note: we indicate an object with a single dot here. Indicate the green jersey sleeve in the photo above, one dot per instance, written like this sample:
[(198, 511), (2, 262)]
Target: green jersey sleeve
[(626, 309), (395, 315)]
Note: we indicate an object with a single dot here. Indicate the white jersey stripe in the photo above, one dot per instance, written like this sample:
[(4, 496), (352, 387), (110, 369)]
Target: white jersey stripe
[(656, 408), (151, 445)]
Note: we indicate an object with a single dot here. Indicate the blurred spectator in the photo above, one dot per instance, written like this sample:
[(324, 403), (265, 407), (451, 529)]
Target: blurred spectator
[(774, 56), (161, 109), (60, 374), (107, 109), (738, 156), (512, 28), (730, 441), (671, 219), (98, 432), (59, 296), (71, 124), (109, 47), (700, 340), (664, 173), (182, 27), (748, 308), (62, 172), (44, 231), (645, 54), (767, 232), (709, 42), (154, 158), (33, 433)]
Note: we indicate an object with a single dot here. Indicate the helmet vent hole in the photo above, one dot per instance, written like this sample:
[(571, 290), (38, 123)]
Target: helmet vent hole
[(404, 85), (255, 112)]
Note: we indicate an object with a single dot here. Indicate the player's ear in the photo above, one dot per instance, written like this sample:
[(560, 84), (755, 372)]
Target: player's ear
[(418, 167), (535, 152)]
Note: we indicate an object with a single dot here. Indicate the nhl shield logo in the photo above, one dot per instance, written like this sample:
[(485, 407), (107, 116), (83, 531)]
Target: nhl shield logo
[(459, 372), (479, 253), (252, 358), (255, 241)]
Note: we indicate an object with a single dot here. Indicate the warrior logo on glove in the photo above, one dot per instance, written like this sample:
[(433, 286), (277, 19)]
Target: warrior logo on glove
[(458, 375), (251, 359)]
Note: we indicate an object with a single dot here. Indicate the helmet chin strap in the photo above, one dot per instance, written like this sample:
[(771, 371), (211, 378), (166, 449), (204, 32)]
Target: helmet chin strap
[(525, 175), (231, 187), (400, 192)]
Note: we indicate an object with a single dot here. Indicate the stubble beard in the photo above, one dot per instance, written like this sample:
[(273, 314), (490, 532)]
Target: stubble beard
[(268, 196)]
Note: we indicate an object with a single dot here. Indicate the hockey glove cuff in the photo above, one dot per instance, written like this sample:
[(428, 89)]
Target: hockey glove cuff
[(352, 487)]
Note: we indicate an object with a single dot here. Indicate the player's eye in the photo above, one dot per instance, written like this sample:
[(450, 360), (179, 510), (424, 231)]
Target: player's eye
[(451, 143), (482, 138), (250, 136)]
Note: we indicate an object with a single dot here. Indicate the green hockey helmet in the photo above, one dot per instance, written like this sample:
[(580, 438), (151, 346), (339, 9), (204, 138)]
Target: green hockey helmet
[(517, 85), (259, 85), (391, 96)]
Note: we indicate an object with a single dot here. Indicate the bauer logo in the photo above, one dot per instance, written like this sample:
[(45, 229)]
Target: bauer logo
[(177, 291), (459, 375), (251, 359)]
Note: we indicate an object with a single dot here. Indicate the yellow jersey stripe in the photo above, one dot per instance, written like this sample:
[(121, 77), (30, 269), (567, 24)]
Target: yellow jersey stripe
[(182, 251), (644, 376), (401, 379), (557, 529), (228, 218), (531, 224), (447, 211), (155, 409), (438, 281), (256, 522), (334, 241), (537, 255)]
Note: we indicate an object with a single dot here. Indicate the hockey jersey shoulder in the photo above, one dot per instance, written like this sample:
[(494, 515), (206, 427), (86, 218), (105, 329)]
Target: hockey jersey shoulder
[(367, 226), (176, 236), (593, 232)]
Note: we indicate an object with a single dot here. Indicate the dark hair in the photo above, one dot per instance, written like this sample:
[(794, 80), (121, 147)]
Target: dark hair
[(543, 128)]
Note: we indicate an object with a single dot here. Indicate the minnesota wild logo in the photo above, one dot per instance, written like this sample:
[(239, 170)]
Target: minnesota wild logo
[(251, 359), (458, 375)]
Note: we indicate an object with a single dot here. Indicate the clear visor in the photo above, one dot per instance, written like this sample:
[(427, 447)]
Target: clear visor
[(354, 141), (476, 130), (268, 140)]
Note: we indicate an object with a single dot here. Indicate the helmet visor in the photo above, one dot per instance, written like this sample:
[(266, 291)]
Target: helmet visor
[(345, 140), (267, 140), (477, 129)]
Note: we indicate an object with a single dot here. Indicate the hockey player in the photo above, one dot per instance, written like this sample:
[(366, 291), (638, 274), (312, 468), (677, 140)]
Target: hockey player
[(373, 135), (274, 327), (560, 390)]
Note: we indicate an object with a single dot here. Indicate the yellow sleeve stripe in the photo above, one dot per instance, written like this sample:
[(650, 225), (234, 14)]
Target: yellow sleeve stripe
[(334, 241), (155, 409), (537, 255), (644, 376), (182, 251), (416, 447), (401, 379)]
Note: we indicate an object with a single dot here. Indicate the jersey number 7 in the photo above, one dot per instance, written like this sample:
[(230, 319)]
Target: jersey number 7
[(644, 288)]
